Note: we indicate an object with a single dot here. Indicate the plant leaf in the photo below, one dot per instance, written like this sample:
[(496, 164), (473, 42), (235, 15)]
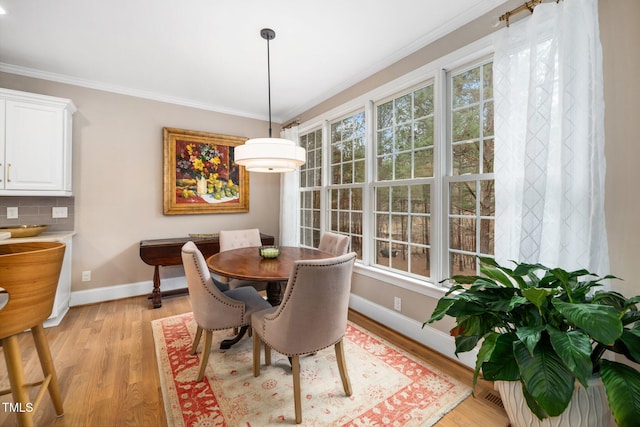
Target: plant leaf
[(530, 336), (560, 274), (496, 274), (537, 296), (482, 283), (441, 309), (632, 301), (630, 317), (622, 384), (489, 261), (524, 269), (631, 339), (612, 298), (532, 404), (500, 364), (466, 343), (465, 280), (574, 348), (488, 344), (464, 306), (474, 325), (545, 376), (601, 322)]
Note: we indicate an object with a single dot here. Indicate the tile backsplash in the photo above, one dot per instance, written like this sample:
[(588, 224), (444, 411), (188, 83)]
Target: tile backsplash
[(38, 211)]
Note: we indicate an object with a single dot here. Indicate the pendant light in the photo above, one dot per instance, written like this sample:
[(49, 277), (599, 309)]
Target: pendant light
[(269, 154)]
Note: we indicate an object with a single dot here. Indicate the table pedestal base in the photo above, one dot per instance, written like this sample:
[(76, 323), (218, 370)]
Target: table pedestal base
[(226, 344), (274, 293)]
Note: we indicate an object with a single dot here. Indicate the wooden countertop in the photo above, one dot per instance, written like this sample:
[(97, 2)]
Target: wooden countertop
[(44, 237)]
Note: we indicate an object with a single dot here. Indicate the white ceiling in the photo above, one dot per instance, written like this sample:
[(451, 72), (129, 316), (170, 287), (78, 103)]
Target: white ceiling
[(209, 53)]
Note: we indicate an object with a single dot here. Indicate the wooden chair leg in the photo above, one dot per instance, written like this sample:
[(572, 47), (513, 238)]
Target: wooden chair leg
[(48, 368), (342, 367), (267, 354), (256, 354), (295, 370), (208, 337), (17, 379), (196, 341)]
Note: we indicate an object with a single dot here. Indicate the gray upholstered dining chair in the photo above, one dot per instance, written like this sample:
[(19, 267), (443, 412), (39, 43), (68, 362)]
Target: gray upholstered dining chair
[(214, 306), (235, 239), (334, 243), (311, 317)]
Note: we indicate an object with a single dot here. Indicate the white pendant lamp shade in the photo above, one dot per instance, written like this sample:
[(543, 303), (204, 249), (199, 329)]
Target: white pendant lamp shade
[(269, 155)]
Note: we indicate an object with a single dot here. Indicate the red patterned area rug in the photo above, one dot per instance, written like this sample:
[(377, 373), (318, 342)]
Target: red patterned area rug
[(390, 387)]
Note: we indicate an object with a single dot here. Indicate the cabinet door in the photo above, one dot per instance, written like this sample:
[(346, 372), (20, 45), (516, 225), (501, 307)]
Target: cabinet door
[(2, 137), (34, 147)]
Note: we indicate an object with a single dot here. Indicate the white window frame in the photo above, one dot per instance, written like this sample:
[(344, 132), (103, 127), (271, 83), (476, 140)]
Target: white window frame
[(313, 188), (447, 173), (435, 71)]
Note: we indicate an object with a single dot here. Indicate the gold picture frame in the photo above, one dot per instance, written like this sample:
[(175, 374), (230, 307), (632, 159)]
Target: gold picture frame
[(200, 176)]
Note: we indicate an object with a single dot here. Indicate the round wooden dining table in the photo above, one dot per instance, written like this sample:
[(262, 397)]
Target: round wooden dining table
[(247, 264)]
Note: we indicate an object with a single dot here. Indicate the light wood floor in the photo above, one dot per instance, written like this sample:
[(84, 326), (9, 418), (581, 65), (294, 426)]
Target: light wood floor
[(106, 364)]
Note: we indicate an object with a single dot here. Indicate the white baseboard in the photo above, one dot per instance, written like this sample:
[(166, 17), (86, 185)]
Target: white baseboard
[(55, 321), (433, 338), (92, 296)]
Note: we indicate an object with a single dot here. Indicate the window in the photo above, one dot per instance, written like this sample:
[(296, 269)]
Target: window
[(404, 179), (418, 199), (310, 186), (347, 163), (470, 178)]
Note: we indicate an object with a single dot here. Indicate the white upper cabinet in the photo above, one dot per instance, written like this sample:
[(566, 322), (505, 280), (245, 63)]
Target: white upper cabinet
[(35, 144)]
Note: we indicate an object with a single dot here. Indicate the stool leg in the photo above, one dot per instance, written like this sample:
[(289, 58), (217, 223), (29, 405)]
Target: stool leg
[(44, 354), (17, 379)]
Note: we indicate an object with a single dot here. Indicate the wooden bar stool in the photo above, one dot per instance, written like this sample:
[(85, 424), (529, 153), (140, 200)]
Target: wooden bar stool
[(29, 274)]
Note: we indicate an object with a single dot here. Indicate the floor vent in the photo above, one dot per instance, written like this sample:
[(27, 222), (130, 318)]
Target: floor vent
[(493, 398)]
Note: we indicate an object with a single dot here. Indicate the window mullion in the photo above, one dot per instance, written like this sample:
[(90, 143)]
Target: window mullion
[(439, 203), (326, 170), (368, 244)]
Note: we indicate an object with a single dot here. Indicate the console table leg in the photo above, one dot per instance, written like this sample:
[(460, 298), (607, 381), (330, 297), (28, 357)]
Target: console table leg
[(156, 295)]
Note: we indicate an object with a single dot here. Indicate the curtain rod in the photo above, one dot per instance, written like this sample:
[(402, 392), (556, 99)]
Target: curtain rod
[(296, 122), (529, 5)]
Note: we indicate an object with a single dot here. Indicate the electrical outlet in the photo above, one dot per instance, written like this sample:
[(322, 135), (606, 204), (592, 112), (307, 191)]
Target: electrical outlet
[(397, 303), (12, 213), (86, 276), (59, 212)]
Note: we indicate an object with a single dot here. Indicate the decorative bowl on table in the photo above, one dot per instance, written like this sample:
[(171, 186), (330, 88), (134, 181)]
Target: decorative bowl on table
[(24, 230), (269, 252)]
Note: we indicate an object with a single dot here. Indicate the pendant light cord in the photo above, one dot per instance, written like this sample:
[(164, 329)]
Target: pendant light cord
[(269, 84)]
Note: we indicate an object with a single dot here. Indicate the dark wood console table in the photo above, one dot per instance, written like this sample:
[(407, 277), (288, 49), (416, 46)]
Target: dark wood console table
[(166, 252)]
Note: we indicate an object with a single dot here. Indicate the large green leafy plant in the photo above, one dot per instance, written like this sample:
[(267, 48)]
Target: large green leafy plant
[(547, 328)]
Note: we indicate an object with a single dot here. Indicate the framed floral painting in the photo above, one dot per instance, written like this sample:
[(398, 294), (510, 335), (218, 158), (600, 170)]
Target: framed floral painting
[(200, 175)]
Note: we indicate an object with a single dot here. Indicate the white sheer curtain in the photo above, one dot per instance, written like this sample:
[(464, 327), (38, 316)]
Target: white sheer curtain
[(290, 198), (549, 146)]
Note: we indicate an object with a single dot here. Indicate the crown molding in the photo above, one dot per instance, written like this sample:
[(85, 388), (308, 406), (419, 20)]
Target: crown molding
[(91, 84)]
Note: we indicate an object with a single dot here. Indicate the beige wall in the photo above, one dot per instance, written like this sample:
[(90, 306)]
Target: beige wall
[(620, 37), (117, 179)]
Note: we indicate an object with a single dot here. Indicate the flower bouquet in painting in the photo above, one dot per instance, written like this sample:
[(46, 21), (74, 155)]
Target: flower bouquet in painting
[(205, 173)]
